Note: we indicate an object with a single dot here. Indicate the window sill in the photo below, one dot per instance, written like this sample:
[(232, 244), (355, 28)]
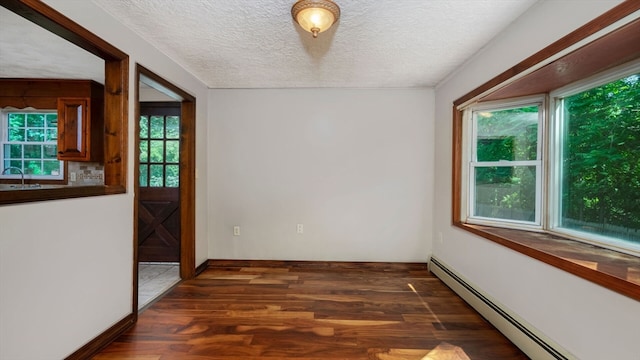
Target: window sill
[(613, 270), (44, 194)]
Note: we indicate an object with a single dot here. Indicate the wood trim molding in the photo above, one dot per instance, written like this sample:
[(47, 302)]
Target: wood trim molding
[(315, 264), (164, 86), (187, 175), (116, 104), (613, 49), (136, 197), (202, 267), (101, 341), (624, 9), (188, 190), (50, 19), (43, 194), (456, 179), (598, 265)]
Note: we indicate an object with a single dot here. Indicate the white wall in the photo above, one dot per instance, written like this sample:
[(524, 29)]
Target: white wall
[(353, 166), (66, 266), (587, 319)]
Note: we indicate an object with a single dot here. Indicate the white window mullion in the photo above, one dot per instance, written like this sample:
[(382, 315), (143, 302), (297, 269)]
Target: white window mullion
[(555, 156), (540, 195), (506, 163)]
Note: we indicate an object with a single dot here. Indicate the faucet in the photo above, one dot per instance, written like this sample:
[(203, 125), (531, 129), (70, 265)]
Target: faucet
[(19, 170)]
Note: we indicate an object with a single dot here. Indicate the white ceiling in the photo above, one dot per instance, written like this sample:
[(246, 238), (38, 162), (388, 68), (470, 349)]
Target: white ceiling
[(256, 43)]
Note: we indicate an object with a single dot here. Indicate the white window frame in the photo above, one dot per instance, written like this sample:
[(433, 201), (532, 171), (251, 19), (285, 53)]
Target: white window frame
[(548, 182), (4, 133), (468, 159), (555, 156)]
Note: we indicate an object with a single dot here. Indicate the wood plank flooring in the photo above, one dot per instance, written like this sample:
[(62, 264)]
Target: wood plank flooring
[(311, 311)]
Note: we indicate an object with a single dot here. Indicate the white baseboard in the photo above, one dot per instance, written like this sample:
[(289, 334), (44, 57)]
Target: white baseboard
[(530, 340)]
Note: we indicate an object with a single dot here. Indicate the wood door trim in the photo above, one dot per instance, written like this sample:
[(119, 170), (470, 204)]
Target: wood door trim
[(188, 190), (187, 178)]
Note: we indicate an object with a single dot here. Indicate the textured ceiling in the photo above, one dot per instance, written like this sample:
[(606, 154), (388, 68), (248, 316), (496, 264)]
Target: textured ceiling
[(256, 43), (376, 43)]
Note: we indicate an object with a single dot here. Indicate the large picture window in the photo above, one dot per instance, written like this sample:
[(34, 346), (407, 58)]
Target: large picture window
[(578, 177), (29, 145), (598, 160)]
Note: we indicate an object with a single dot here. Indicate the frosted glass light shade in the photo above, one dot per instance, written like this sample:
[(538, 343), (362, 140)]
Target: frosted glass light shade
[(315, 16)]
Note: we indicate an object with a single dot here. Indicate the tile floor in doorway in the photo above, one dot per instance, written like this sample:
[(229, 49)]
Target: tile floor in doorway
[(154, 279)]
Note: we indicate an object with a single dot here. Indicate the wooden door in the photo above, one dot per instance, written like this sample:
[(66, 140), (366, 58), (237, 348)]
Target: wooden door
[(159, 183)]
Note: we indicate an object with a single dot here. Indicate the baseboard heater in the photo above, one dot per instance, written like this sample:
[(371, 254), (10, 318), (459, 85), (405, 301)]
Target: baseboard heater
[(522, 334)]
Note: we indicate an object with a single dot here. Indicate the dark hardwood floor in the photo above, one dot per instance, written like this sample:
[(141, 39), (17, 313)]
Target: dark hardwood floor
[(311, 311)]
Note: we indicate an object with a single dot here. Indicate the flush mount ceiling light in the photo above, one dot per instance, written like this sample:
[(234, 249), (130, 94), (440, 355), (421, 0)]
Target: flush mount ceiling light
[(315, 16)]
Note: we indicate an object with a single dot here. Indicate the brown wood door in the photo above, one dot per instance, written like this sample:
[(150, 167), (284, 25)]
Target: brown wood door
[(159, 183)]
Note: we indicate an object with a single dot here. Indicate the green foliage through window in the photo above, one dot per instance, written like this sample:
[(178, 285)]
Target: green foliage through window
[(508, 134), (30, 143), (506, 157), (592, 176), (601, 160), (159, 151)]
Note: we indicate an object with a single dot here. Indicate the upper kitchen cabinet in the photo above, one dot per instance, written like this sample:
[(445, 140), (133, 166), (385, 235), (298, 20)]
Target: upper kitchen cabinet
[(81, 125)]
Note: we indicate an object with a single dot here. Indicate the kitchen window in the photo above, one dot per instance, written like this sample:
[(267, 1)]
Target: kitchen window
[(29, 144)]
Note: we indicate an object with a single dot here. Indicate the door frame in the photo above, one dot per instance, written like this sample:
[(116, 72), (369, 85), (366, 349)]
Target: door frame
[(187, 175)]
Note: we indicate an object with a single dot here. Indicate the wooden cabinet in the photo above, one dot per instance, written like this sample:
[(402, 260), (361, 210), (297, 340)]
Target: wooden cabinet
[(74, 128), (81, 127)]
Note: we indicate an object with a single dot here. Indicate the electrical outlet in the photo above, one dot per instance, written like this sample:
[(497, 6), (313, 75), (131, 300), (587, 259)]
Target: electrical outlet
[(236, 230), (440, 238), (300, 229)]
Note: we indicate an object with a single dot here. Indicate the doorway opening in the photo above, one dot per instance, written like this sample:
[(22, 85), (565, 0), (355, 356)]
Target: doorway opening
[(158, 197), (164, 246)]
